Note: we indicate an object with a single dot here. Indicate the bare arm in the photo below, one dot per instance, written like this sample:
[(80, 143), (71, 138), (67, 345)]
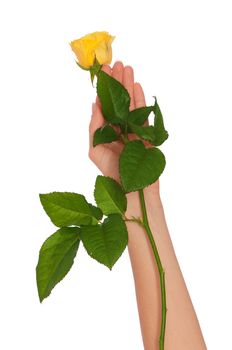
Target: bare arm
[(182, 329)]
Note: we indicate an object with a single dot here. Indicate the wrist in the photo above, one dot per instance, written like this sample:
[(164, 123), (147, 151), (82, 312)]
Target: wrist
[(151, 194)]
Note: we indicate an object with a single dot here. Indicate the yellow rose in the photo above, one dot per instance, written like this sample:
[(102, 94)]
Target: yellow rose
[(93, 47)]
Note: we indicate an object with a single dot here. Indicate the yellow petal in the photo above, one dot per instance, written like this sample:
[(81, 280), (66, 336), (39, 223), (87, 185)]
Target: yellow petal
[(96, 44), (101, 53), (84, 51)]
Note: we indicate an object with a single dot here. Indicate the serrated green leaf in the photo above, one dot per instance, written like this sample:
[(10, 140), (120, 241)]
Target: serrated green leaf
[(140, 166), (56, 259), (115, 100), (68, 208), (160, 133), (106, 242), (105, 134), (97, 213), (109, 196), (139, 116), (144, 132)]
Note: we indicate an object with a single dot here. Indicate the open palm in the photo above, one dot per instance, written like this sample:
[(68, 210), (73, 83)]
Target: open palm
[(106, 156)]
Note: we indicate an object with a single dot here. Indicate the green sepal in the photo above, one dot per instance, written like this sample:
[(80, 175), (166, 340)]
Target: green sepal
[(81, 66), (94, 70)]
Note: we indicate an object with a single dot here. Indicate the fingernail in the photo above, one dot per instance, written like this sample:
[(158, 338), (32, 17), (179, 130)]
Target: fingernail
[(118, 64)]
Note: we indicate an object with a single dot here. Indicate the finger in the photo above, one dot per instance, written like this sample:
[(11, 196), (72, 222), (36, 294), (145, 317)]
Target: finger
[(98, 102), (106, 68), (139, 97), (128, 82), (117, 71), (97, 120)]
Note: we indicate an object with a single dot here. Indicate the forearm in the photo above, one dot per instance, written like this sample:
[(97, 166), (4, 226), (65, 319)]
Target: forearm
[(182, 328)]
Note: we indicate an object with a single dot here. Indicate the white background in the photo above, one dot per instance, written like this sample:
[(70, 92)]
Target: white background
[(181, 52)]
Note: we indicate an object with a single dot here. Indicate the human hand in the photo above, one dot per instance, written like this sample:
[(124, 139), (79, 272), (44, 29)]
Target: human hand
[(106, 156)]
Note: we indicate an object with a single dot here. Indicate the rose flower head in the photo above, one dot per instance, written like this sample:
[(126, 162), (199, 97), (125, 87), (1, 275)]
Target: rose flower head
[(93, 50)]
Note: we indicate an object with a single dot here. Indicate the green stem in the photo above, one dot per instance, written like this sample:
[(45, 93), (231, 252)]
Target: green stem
[(160, 268), (124, 138)]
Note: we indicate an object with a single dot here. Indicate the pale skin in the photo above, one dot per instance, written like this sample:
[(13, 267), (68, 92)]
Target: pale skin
[(182, 328)]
